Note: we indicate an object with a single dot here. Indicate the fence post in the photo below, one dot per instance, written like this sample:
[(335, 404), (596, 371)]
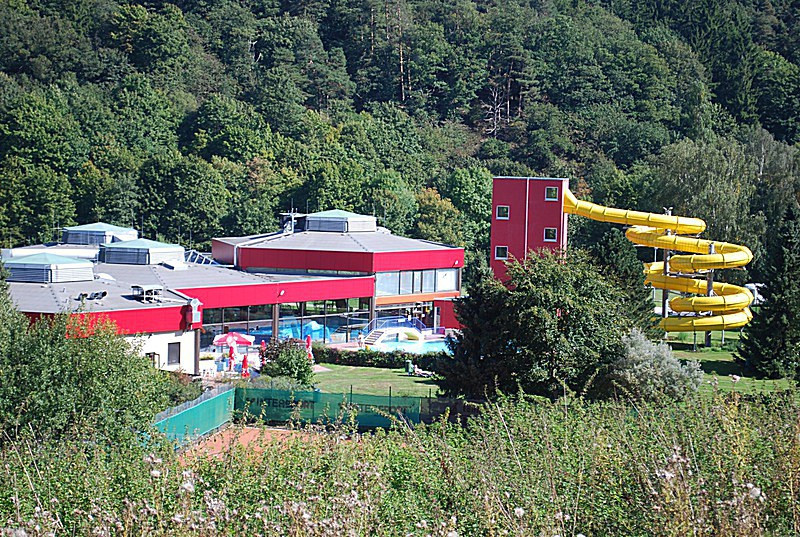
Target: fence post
[(351, 395), (390, 400)]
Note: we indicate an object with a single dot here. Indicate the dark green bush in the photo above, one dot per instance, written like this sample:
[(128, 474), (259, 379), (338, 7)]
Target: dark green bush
[(287, 359), (373, 358)]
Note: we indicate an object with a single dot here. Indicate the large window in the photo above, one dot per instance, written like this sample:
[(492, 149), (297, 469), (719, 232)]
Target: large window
[(387, 283), (447, 279), (406, 278)]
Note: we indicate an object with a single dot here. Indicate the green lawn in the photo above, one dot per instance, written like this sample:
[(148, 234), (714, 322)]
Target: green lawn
[(372, 381), (719, 364)]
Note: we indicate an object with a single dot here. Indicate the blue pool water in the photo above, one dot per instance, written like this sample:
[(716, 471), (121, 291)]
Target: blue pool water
[(416, 347)]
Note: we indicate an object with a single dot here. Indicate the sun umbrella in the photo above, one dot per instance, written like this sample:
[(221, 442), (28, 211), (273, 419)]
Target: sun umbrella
[(233, 338)]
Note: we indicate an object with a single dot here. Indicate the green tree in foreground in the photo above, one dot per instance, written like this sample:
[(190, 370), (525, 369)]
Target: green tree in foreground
[(771, 343), (556, 323), (288, 359), (57, 383)]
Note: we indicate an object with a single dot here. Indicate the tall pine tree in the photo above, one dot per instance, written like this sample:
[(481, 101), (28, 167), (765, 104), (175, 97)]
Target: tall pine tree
[(771, 343)]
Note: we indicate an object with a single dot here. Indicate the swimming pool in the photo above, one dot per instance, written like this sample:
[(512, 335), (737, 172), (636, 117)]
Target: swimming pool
[(416, 347)]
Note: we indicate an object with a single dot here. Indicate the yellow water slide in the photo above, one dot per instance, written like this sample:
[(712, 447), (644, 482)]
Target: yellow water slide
[(727, 308)]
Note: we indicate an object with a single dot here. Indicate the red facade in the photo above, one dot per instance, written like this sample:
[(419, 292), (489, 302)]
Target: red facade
[(366, 262), (527, 215)]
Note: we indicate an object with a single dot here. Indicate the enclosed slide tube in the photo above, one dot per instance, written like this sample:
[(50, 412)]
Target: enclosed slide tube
[(727, 309)]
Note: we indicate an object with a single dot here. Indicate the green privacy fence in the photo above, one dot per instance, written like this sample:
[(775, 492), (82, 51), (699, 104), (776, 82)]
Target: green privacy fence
[(199, 417), (190, 421), (273, 405)]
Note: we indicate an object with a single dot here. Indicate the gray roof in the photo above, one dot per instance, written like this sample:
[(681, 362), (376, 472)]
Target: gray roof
[(365, 241), (99, 226), (143, 243), (335, 213), (61, 297), (46, 260), (194, 276)]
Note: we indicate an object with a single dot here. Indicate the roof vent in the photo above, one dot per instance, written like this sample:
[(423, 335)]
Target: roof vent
[(175, 265), (147, 293)]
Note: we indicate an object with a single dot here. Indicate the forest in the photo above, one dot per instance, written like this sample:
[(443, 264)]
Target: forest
[(194, 119)]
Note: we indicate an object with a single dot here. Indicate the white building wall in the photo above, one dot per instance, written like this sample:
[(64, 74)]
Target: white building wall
[(159, 344)]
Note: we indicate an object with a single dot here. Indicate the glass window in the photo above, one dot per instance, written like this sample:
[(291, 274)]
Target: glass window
[(550, 234), (315, 308), (387, 283), (173, 353), (212, 316), (502, 212), (291, 309), (428, 281), (337, 306), (406, 283), (501, 252), (447, 279), (417, 281), (551, 193)]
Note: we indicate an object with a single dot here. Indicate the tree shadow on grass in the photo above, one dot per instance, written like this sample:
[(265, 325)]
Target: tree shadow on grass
[(721, 368)]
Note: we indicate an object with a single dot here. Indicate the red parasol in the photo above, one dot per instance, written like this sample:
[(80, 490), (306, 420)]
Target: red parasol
[(233, 338)]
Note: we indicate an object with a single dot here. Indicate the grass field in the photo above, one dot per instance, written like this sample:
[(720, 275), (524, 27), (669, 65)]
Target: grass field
[(372, 381)]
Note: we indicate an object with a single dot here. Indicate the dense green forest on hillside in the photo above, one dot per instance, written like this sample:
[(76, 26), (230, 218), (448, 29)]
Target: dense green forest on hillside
[(199, 118)]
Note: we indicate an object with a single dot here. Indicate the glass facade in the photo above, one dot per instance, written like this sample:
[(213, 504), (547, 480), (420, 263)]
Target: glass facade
[(409, 282), (329, 321)]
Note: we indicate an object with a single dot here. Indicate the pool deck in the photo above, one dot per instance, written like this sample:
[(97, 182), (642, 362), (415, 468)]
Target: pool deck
[(353, 345)]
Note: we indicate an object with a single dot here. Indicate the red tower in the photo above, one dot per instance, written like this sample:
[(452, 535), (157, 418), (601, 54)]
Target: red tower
[(527, 214)]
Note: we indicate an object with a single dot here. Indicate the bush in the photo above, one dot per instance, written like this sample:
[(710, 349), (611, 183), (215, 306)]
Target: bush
[(180, 387), (649, 370), (372, 358), (288, 359)]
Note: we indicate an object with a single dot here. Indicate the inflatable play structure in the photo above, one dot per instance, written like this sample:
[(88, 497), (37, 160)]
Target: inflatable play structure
[(527, 207)]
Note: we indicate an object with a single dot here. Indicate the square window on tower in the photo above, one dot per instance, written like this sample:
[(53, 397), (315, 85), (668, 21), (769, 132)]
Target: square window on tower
[(502, 212), (550, 234), (501, 252), (551, 193)]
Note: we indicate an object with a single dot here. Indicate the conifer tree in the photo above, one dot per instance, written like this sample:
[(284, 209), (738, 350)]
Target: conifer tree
[(771, 343)]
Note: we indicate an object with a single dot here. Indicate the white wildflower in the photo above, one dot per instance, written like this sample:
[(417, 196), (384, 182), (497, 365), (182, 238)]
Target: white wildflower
[(735, 378), (155, 473), (519, 512)]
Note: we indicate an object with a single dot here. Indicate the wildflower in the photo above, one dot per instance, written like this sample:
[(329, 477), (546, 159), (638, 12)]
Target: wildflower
[(735, 378), (665, 474), (452, 533), (155, 473), (756, 493), (519, 512), (188, 486)]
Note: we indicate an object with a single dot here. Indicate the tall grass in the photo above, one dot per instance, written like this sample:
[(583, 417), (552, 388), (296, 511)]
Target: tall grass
[(721, 465)]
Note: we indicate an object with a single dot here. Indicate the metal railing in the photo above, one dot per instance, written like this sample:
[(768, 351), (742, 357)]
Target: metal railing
[(383, 323)]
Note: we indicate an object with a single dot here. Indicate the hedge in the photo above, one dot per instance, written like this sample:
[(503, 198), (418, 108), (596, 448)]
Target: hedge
[(372, 358)]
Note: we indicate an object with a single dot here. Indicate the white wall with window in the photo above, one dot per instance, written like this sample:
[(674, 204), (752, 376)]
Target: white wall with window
[(170, 351), (408, 282)]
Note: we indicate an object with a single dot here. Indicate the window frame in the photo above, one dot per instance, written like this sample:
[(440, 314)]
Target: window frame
[(497, 212), (498, 258), (548, 198), (555, 230)]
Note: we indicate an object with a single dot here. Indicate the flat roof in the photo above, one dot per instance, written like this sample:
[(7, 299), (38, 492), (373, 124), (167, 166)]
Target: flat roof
[(64, 297), (143, 243), (531, 178), (46, 259), (361, 241), (99, 226)]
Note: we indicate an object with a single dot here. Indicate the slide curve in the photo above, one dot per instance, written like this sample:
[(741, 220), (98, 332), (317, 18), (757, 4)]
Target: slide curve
[(728, 307)]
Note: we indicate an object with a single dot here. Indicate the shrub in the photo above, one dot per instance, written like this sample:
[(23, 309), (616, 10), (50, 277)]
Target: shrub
[(288, 359), (373, 358), (649, 370)]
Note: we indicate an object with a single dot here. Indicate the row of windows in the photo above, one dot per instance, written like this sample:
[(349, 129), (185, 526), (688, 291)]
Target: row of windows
[(503, 212), (407, 282), (550, 235)]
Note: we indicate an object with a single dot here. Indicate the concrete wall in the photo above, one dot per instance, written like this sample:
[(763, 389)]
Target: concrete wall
[(159, 343)]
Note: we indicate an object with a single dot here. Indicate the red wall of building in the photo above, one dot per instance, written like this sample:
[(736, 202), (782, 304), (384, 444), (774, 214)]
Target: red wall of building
[(222, 252), (304, 259), (418, 260), (529, 215), (447, 314)]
